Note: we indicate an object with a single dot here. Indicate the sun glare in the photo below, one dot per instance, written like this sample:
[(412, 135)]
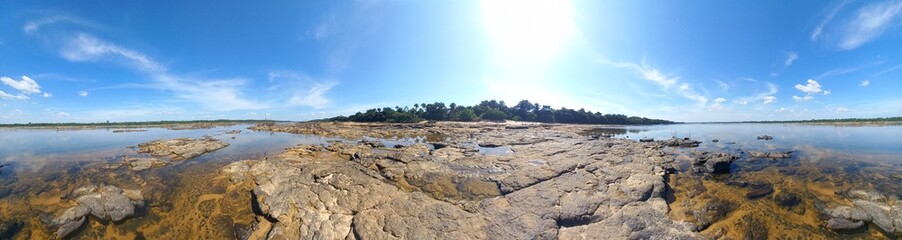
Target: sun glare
[(528, 31)]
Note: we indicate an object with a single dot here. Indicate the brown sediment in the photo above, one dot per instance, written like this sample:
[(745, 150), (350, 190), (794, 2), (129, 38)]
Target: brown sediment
[(194, 202), (802, 221)]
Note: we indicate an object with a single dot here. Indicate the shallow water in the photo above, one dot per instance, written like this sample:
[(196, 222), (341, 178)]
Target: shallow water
[(826, 162), (41, 166)]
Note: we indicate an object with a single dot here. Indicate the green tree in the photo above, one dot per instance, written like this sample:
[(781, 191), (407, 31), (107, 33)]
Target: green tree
[(467, 115), (493, 114)]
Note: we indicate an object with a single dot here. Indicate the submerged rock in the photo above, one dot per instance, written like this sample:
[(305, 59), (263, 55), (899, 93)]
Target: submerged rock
[(143, 163), (9, 229), (765, 137), (758, 191), (681, 142), (104, 202), (714, 162), (785, 199), (719, 163), (181, 148), (843, 225), (874, 207), (760, 154)]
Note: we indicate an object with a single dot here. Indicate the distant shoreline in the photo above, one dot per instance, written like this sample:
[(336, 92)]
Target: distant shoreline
[(193, 124)]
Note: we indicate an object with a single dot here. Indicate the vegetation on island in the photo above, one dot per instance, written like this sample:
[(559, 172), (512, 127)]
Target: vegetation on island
[(839, 121), (492, 110)]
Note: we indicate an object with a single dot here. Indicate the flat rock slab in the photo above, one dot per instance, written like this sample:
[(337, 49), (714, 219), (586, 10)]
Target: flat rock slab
[(555, 184), (181, 148)]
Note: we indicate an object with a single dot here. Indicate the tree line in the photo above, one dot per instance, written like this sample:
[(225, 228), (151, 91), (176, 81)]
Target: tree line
[(492, 110), (128, 124), (839, 120)]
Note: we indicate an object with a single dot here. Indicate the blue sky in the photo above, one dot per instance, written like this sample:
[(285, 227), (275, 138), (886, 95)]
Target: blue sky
[(299, 60)]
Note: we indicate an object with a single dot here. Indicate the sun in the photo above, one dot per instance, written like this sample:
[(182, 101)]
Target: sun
[(528, 31)]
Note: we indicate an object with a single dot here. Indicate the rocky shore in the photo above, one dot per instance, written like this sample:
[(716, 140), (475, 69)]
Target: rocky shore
[(453, 180), (556, 183)]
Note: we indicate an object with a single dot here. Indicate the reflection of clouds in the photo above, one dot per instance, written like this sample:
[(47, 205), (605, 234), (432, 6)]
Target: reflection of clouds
[(815, 155), (36, 162)]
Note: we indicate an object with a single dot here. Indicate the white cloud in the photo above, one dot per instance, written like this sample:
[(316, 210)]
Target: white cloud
[(811, 88), (790, 57), (837, 72), (35, 26), (818, 30), (888, 70), (842, 109), (47, 95), (650, 73), (723, 85), (83, 93), (26, 85), (865, 83), (869, 23), (645, 71), (687, 92), (63, 115), (86, 48), (214, 94), (4, 95), (718, 104), (765, 97), (802, 99), (303, 90)]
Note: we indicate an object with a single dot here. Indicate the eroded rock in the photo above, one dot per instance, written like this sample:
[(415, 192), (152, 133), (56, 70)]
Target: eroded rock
[(554, 184), (143, 163), (874, 207), (103, 202), (843, 225), (773, 155), (181, 148)]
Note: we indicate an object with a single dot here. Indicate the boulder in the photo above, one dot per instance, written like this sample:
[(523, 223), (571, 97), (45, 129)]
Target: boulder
[(720, 163), (104, 202)]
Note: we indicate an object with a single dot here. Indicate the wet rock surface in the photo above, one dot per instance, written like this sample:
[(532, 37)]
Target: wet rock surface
[(869, 206), (102, 202), (773, 155), (181, 148), (555, 183), (843, 225), (143, 163)]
